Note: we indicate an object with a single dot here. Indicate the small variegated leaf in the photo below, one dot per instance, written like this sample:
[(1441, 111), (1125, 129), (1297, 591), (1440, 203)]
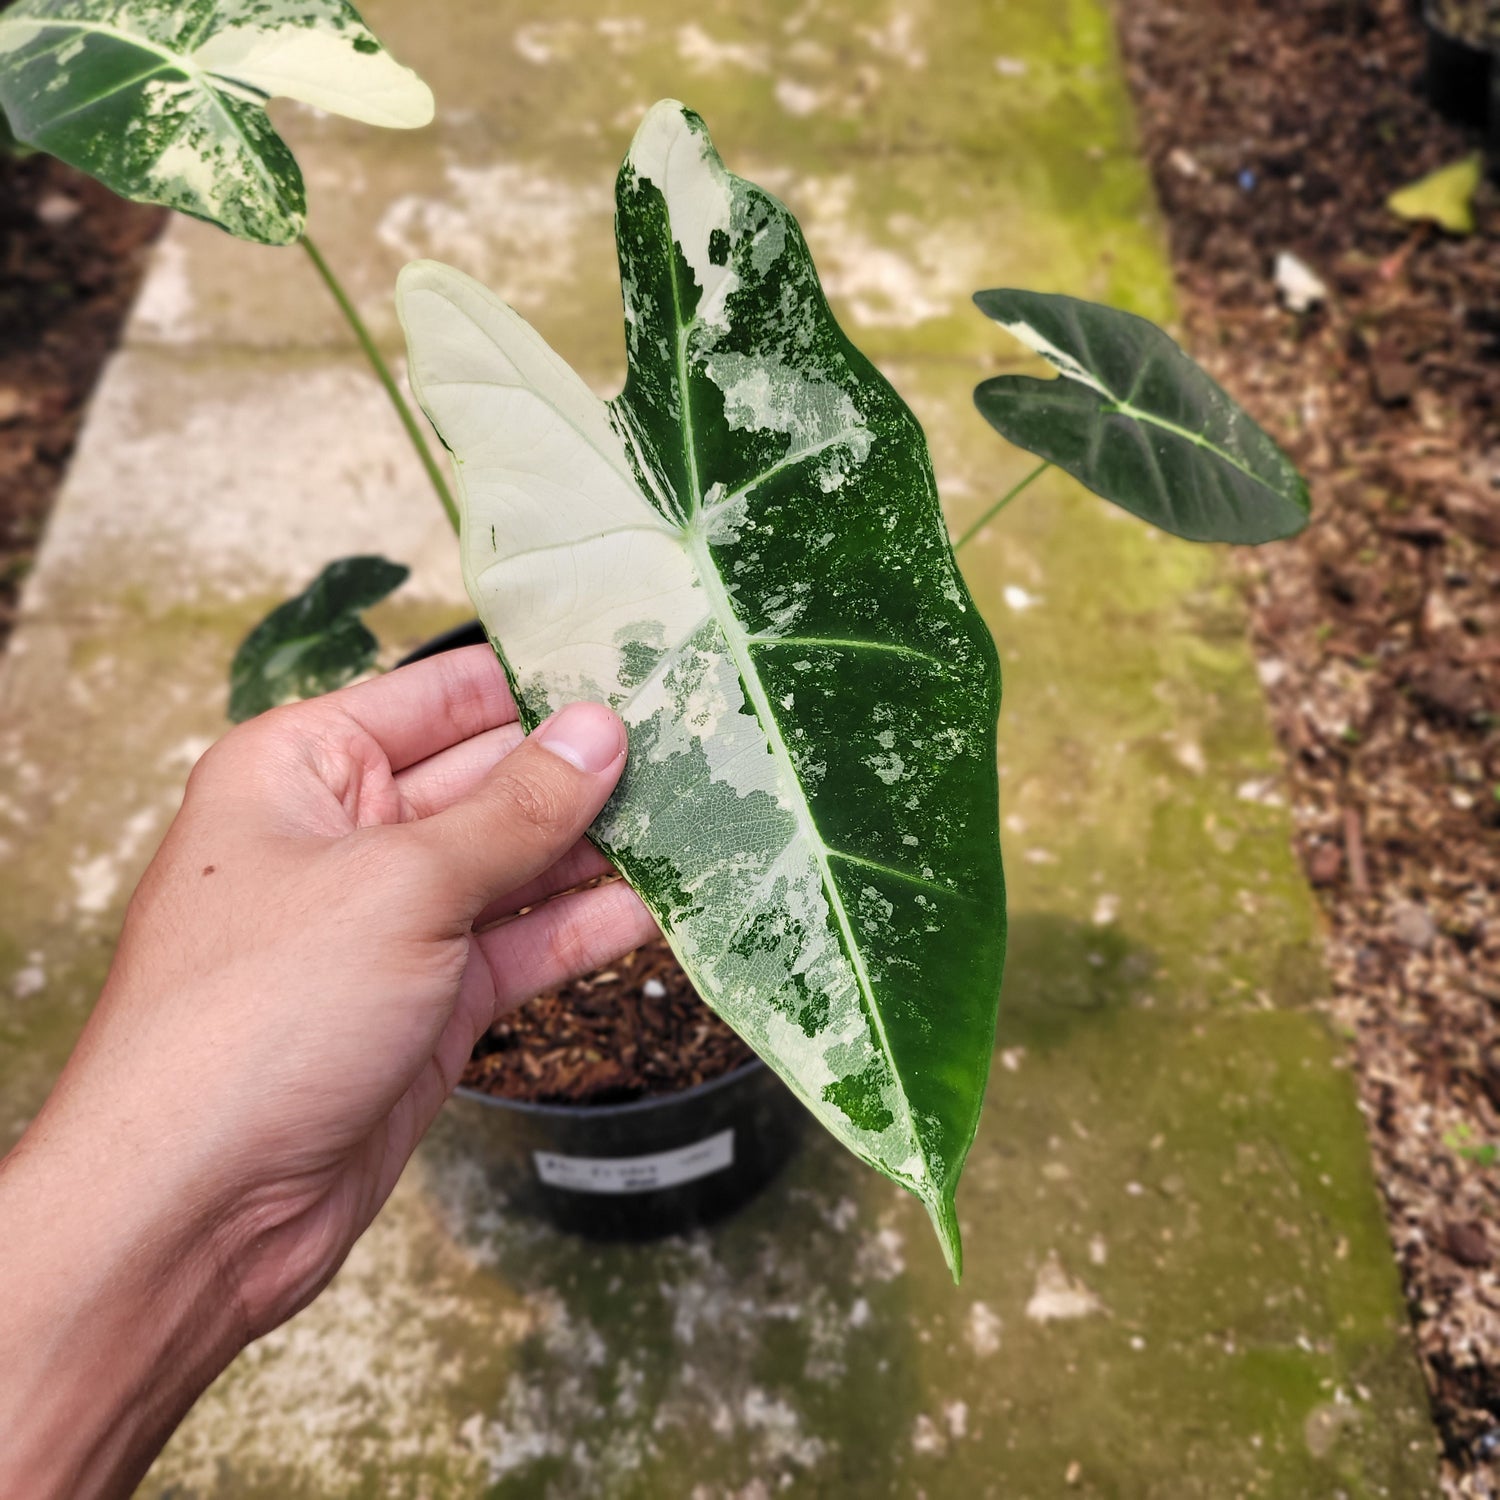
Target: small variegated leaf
[(743, 553), (314, 643), (1133, 418), (164, 102)]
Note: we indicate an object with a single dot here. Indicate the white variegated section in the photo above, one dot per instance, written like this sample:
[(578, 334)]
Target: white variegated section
[(565, 560), (320, 68), (1060, 360), (691, 178), (17, 34)]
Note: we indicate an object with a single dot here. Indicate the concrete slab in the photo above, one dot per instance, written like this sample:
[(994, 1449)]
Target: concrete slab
[(986, 143), (1179, 1283)]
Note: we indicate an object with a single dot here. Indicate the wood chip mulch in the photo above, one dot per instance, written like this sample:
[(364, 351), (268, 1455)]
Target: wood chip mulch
[(71, 256), (1282, 126)]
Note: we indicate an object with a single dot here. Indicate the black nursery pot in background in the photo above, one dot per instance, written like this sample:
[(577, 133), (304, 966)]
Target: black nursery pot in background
[(638, 1170), (644, 1169), (1463, 77)]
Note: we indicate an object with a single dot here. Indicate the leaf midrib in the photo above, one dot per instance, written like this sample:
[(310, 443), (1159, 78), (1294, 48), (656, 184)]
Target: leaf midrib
[(1147, 419), (737, 640), (1112, 405), (684, 390)]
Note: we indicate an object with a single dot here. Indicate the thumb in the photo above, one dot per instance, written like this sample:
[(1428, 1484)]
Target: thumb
[(531, 809)]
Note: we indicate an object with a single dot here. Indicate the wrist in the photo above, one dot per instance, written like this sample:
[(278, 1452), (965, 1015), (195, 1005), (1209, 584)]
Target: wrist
[(117, 1316)]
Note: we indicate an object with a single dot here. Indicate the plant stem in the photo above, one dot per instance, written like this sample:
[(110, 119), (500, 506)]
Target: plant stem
[(383, 375), (1000, 505)]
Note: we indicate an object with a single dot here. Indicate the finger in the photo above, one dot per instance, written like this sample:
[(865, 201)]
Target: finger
[(527, 813), (418, 1107), (571, 936), (582, 863), (417, 711), (562, 939), (442, 779)]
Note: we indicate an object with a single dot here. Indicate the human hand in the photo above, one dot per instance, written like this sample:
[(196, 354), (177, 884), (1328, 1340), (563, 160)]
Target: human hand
[(302, 975)]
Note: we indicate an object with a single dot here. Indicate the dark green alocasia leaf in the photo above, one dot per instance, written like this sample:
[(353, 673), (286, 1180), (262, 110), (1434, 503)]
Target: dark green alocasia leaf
[(743, 553), (164, 101), (314, 643), (1133, 418)]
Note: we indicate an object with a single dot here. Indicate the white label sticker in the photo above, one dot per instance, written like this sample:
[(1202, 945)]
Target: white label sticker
[(636, 1174)]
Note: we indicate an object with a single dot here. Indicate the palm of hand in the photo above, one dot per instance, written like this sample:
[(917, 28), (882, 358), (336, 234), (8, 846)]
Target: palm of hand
[(315, 952)]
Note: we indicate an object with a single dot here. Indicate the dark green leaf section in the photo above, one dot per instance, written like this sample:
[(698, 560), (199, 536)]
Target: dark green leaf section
[(1139, 423), (314, 643), (165, 102)]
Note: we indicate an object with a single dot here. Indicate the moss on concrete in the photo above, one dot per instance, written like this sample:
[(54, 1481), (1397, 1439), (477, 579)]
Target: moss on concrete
[(994, 141)]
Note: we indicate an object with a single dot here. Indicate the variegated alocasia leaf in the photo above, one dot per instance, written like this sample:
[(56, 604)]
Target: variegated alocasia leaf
[(314, 643), (743, 553), (1133, 418), (164, 100)]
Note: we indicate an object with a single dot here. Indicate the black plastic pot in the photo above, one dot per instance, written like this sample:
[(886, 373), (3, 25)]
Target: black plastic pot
[(471, 634), (640, 1170), (1463, 80), (645, 1169)]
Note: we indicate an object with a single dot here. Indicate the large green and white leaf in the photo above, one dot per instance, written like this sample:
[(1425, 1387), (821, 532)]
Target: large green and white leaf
[(314, 643), (743, 553), (164, 102), (1133, 418)]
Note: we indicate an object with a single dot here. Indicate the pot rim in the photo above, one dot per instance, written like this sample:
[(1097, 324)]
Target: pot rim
[(612, 1111), (441, 642)]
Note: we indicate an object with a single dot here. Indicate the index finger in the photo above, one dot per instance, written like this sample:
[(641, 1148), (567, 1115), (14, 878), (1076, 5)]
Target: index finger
[(420, 710)]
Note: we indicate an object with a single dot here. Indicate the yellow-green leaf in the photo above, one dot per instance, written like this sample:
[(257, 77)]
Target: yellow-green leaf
[(1444, 197)]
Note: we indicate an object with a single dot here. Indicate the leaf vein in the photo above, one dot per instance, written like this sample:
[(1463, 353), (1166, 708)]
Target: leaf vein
[(572, 543), (835, 642), (810, 451), (661, 664), (895, 872), (118, 88)]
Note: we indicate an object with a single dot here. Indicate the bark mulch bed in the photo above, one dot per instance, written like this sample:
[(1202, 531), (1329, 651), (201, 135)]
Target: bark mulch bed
[(71, 255), (1282, 125)]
